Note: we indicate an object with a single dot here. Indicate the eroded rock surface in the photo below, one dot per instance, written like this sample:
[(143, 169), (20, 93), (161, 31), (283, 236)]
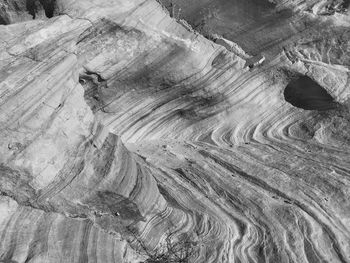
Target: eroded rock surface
[(119, 124)]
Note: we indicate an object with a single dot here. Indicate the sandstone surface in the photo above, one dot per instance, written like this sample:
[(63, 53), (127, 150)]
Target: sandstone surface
[(125, 121)]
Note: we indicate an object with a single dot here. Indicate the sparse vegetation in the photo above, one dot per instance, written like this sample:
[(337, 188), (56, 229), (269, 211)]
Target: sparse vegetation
[(172, 250)]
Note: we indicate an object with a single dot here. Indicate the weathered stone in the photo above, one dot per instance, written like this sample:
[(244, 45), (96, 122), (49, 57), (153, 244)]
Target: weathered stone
[(120, 125)]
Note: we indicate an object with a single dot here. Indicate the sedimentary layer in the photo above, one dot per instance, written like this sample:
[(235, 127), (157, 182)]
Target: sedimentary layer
[(120, 125)]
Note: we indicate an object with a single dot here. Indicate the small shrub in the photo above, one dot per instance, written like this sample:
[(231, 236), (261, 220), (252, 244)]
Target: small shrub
[(180, 250)]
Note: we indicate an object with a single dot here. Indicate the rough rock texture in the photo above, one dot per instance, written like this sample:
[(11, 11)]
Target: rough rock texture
[(119, 123)]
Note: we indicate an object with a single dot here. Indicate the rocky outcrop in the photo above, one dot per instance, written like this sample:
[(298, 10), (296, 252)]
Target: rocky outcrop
[(120, 125), (31, 235)]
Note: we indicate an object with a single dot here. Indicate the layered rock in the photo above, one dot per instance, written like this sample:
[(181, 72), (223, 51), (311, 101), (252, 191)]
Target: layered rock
[(31, 235), (120, 125)]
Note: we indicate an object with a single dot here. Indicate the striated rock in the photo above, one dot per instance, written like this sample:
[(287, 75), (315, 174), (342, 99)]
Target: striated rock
[(31, 235), (121, 125)]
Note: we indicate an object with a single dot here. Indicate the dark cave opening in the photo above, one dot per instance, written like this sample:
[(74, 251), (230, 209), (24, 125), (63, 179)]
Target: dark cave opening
[(3, 21), (31, 7), (307, 94), (34, 5), (49, 7)]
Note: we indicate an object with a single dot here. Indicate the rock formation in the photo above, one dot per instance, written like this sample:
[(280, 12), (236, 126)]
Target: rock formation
[(121, 125)]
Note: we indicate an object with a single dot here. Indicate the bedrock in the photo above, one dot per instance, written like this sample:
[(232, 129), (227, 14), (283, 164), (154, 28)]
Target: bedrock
[(119, 124)]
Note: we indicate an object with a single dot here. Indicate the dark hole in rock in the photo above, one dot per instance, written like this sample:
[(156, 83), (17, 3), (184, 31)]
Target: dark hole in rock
[(306, 94), (49, 7), (3, 21), (33, 6)]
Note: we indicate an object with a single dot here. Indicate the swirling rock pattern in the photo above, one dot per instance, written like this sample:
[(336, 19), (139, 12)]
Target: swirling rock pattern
[(119, 123)]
